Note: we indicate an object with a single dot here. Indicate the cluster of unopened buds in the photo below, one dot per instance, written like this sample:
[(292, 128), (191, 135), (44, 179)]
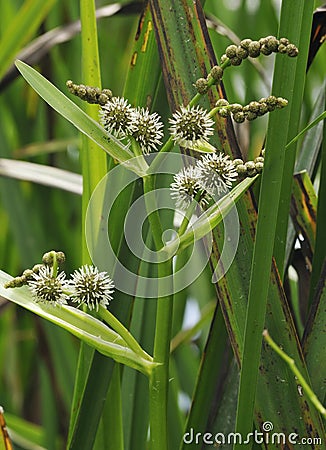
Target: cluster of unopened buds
[(252, 110), (235, 54), (192, 126), (48, 284)]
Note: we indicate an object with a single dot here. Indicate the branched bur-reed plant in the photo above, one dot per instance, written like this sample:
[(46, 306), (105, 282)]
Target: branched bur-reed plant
[(203, 192)]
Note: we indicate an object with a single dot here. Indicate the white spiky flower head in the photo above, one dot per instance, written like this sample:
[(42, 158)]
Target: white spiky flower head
[(217, 172), (116, 117), (186, 187), (91, 287), (191, 126), (47, 288), (146, 129)]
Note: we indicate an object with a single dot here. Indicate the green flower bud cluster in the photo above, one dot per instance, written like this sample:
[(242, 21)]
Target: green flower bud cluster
[(251, 111), (90, 94), (214, 77), (249, 168), (28, 274), (235, 54)]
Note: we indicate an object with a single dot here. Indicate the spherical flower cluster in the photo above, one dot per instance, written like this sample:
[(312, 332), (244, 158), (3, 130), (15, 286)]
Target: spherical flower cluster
[(213, 175), (217, 172), (47, 287), (119, 118), (251, 111), (235, 54), (116, 117), (191, 126), (146, 129), (186, 188), (91, 287)]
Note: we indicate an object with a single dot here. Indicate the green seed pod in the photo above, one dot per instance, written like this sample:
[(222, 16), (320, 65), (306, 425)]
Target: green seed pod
[(239, 117), (37, 267), (272, 43), (201, 86), (47, 258), (259, 159), (16, 282), (237, 161), (103, 99), (263, 108), (61, 257), (281, 102), (251, 173), (251, 115), (107, 92), (250, 165), (221, 102), (223, 112), (89, 93), (259, 166), (235, 61), (81, 91), (282, 48), (254, 49), (284, 41), (235, 108), (217, 73), (231, 51), (272, 102), (242, 53), (245, 43), (241, 169), (69, 84), (28, 273), (254, 107), (263, 153), (265, 50), (292, 51)]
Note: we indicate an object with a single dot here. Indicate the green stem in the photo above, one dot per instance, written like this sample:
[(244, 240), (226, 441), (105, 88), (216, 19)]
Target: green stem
[(291, 363), (117, 326), (54, 264), (189, 213), (159, 380), (159, 377)]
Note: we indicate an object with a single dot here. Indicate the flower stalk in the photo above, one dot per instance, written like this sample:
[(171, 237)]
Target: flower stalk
[(299, 377)]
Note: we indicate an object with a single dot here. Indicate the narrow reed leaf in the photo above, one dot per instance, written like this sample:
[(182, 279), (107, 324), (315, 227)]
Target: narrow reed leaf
[(308, 127), (320, 248), (40, 174), (314, 340), (269, 216)]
